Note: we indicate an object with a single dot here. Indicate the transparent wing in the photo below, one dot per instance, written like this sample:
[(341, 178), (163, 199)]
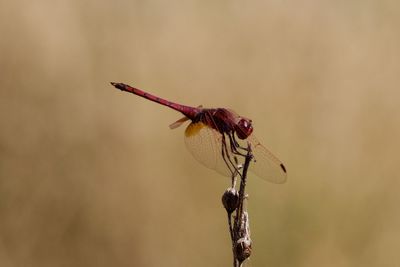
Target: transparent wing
[(266, 165), (205, 144), (178, 123)]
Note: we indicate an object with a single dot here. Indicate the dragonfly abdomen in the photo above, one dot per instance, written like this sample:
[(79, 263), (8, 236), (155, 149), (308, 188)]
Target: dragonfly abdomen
[(188, 111)]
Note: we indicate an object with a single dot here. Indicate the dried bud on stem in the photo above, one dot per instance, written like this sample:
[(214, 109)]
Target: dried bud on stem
[(230, 200)]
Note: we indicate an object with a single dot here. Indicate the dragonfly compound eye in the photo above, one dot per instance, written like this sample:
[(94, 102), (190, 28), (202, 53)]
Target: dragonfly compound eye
[(243, 128)]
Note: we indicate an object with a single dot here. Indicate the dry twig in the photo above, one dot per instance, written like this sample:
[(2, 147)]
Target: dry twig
[(234, 203)]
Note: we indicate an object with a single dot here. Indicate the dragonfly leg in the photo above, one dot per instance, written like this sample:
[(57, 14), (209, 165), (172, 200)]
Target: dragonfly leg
[(227, 159), (225, 155), (235, 145)]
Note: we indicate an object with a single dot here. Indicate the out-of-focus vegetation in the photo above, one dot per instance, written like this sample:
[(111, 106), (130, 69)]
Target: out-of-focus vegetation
[(90, 176)]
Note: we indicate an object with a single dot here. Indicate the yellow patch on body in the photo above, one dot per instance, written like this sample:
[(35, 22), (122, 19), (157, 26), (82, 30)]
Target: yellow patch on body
[(194, 128)]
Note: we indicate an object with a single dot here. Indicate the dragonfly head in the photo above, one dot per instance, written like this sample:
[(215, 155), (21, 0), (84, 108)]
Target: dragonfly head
[(243, 128)]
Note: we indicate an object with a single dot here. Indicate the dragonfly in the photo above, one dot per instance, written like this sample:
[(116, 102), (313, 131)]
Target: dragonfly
[(216, 138)]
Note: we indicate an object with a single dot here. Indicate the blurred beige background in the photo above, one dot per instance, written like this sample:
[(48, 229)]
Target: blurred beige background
[(91, 176)]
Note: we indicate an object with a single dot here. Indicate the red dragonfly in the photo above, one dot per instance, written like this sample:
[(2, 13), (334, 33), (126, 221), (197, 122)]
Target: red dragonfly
[(215, 138)]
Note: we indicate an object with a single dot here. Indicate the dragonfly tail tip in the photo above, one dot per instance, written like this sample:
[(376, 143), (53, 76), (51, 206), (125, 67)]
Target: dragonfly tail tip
[(117, 85)]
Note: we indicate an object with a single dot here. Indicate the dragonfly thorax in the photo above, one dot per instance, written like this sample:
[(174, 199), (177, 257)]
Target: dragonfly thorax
[(225, 121)]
